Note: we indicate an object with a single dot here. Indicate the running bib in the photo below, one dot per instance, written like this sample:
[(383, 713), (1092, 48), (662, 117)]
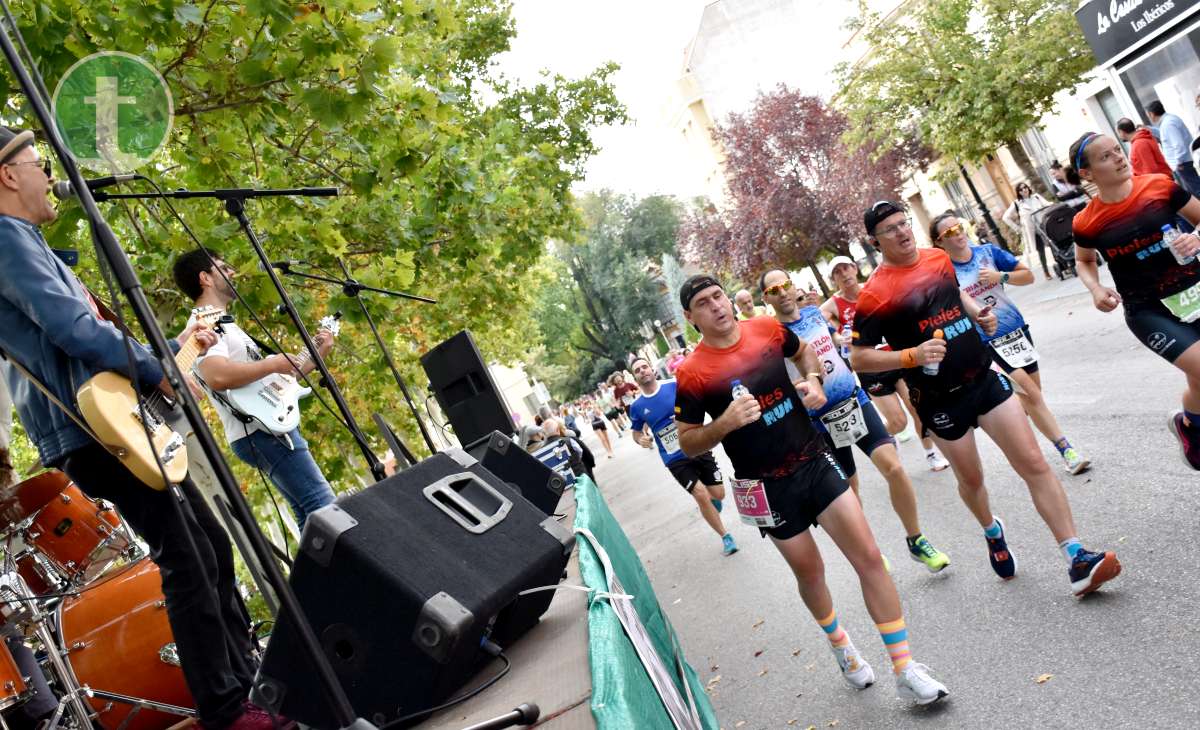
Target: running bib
[(1016, 349), (627, 399), (845, 423), (1186, 304), (751, 499), (669, 438)]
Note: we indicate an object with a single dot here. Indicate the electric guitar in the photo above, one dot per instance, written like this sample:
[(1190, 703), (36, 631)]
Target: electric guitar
[(274, 401), (112, 408)]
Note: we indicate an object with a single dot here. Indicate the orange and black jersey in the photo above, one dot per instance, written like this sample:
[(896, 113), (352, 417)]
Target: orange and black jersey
[(906, 304), (775, 445), (1128, 235)]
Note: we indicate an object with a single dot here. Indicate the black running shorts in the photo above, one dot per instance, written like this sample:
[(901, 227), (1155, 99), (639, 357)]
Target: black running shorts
[(701, 470), (797, 500), (1030, 368), (1163, 332), (951, 414), (880, 384), (877, 435)]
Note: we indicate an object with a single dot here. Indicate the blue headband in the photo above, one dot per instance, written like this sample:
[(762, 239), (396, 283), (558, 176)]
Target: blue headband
[(1082, 147)]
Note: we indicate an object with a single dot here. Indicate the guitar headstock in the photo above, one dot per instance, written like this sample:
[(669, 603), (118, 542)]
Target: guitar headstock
[(331, 323), (207, 315)]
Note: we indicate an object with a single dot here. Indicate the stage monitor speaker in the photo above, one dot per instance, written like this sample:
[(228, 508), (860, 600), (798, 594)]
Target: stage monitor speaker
[(465, 390), (536, 481), (404, 581)]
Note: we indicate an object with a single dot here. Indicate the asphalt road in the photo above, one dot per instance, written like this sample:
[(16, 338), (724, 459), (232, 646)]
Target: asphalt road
[(1024, 653)]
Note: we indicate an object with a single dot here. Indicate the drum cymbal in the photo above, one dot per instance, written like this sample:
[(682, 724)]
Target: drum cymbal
[(23, 500)]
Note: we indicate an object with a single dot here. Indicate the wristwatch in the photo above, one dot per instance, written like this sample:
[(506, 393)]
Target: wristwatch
[(1004, 278)]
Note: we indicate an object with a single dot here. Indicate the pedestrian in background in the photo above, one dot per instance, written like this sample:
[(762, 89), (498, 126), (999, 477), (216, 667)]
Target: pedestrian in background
[(1176, 141), (1145, 155), (1019, 217)]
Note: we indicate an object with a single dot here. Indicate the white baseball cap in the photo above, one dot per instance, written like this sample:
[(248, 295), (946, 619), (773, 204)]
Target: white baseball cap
[(837, 261)]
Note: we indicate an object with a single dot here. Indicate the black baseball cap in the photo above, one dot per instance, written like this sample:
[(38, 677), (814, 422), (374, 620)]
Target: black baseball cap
[(693, 286), (878, 212)]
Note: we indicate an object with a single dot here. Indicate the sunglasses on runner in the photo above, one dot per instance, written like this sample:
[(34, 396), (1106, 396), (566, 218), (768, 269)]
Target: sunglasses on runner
[(953, 230), (777, 289)]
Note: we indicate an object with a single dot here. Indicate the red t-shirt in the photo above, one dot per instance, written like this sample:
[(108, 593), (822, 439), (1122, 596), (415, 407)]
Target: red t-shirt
[(622, 390), (775, 445), (1128, 235), (907, 304)]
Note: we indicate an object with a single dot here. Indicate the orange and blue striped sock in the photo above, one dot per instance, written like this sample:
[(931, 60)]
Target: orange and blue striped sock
[(837, 635), (895, 638)]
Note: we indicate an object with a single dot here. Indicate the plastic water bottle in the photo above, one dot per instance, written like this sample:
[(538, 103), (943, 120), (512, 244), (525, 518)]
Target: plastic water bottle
[(739, 390), (932, 367), (1170, 234), (847, 333)]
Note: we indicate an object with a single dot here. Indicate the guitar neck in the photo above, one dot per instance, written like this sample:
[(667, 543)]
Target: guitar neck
[(186, 357)]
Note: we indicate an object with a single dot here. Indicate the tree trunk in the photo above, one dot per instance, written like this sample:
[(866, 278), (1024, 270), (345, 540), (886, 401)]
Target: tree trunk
[(1028, 169), (812, 266)]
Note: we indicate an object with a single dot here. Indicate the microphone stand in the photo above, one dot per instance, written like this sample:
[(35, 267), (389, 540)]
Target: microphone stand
[(352, 288), (235, 205), (108, 246)]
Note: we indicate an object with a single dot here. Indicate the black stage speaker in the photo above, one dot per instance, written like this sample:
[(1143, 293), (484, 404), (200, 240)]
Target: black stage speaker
[(465, 390), (404, 581), (506, 459)]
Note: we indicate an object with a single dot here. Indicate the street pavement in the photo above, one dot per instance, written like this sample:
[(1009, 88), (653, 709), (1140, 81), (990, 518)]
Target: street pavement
[(1023, 653)]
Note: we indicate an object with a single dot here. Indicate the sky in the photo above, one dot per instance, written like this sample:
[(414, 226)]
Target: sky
[(799, 45)]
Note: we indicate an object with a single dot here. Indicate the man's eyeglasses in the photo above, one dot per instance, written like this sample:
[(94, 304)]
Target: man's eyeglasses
[(894, 228), (46, 166), (777, 289), (953, 230)]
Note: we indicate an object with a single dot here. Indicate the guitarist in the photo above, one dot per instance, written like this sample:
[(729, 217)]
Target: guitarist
[(234, 362), (50, 325)]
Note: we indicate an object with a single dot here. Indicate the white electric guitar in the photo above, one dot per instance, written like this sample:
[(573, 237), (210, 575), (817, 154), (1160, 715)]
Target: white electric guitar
[(274, 401)]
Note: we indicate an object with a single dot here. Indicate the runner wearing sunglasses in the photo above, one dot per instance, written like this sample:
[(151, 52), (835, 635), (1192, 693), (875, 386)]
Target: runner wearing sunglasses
[(1125, 223), (914, 301), (848, 419), (887, 390), (786, 479), (982, 272)]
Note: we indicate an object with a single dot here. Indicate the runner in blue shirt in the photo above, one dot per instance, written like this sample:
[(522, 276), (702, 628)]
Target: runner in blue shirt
[(653, 416), (982, 272), (848, 417)]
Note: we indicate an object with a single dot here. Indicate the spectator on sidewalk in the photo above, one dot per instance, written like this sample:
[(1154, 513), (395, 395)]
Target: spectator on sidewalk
[(1176, 141), (1065, 189), (1019, 217), (1145, 155)]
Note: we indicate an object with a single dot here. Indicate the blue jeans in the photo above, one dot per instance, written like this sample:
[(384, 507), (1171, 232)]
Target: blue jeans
[(293, 470), (1185, 175)]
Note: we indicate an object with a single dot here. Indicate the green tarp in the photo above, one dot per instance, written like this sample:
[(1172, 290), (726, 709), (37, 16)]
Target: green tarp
[(623, 694)]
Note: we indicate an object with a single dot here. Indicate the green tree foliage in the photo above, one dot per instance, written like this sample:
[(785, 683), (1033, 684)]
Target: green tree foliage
[(452, 178), (600, 288), (967, 76)]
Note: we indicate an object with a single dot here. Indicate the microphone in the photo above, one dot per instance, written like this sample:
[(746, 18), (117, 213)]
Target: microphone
[(283, 265), (63, 189)]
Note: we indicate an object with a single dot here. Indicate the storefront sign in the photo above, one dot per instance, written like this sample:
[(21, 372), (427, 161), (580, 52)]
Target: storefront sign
[(1112, 26)]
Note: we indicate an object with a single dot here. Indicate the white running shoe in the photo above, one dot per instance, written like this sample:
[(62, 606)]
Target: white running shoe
[(1075, 463), (937, 462), (914, 684), (855, 670)]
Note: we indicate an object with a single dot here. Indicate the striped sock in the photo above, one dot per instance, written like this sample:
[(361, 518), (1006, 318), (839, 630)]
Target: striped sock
[(1070, 548), (837, 635), (1062, 445), (895, 638)]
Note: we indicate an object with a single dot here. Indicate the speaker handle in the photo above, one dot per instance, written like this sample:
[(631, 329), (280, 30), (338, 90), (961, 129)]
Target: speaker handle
[(459, 506)]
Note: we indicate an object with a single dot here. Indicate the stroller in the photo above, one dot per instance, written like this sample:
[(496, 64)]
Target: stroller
[(1053, 224)]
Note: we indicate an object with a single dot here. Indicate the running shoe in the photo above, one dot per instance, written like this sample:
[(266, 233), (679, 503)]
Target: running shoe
[(922, 551), (1189, 442), (730, 546), (1075, 462), (716, 505), (1091, 570), (855, 670), (914, 684), (1003, 561), (937, 462)]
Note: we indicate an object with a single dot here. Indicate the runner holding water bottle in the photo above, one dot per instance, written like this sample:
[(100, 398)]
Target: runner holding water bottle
[(786, 479), (1156, 275), (887, 390), (913, 294), (982, 272), (849, 419)]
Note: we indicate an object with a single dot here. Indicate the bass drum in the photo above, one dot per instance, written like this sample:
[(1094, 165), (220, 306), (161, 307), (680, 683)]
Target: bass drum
[(117, 639), (13, 690)]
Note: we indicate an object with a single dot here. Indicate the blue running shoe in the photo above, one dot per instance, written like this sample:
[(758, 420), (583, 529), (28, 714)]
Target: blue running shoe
[(730, 546), (1003, 561), (1090, 570), (717, 504)]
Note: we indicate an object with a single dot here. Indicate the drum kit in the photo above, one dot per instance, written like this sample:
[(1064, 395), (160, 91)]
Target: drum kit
[(76, 586)]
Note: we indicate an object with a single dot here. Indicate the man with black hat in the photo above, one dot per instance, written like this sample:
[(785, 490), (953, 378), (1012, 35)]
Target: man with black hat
[(51, 326), (913, 300), (786, 480)]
